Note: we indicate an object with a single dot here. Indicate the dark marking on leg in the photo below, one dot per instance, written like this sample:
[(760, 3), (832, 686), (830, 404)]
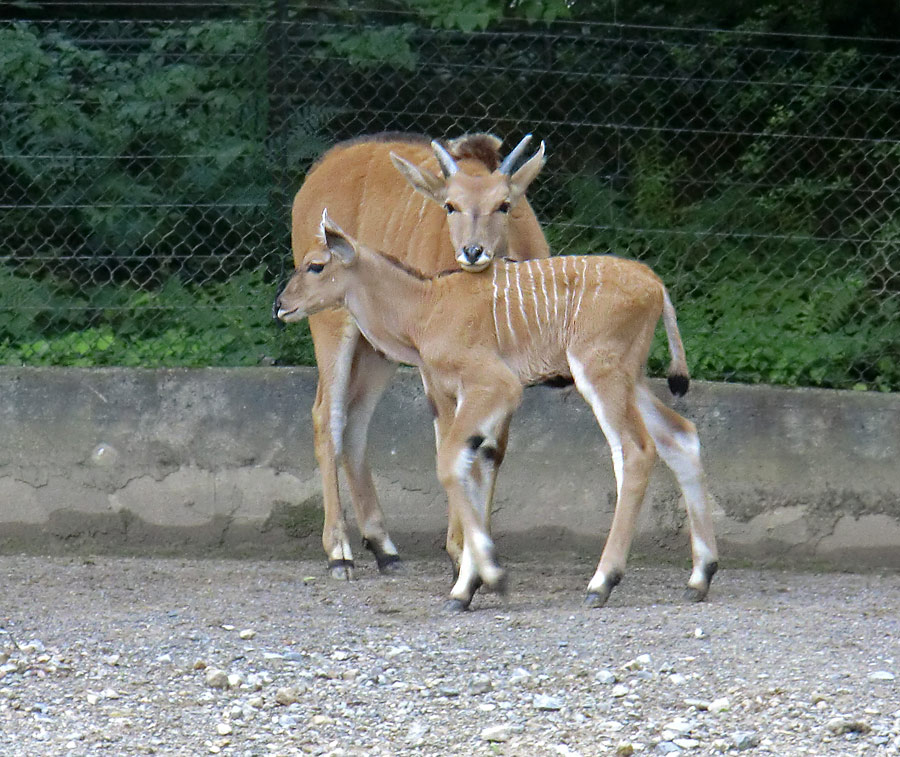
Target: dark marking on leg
[(679, 384), (692, 594), (474, 442), (432, 406), (490, 453), (598, 598), (458, 605), (388, 562)]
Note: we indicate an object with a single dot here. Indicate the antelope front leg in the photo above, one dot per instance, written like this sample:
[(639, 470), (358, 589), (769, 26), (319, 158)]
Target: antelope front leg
[(334, 530), (477, 435), (335, 338), (611, 397), (485, 468), (678, 445), (478, 562)]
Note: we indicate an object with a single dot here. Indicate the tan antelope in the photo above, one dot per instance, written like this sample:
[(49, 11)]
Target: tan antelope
[(479, 338), (486, 215)]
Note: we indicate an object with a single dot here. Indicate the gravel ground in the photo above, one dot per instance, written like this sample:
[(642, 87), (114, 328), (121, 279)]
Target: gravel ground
[(126, 656)]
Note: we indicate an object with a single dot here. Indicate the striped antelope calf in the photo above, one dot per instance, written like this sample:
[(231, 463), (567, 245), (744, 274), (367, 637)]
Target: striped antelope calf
[(487, 215), (479, 338)]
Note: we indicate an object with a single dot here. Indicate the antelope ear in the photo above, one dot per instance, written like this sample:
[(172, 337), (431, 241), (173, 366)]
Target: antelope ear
[(420, 179), (338, 242), (520, 180)]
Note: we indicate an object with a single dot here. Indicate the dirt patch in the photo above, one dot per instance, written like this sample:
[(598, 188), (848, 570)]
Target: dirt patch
[(131, 656)]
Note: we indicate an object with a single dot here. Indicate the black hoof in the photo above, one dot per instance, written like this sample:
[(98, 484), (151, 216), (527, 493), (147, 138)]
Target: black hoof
[(594, 599), (455, 606), (698, 595), (388, 562), (598, 598), (341, 570), (501, 585), (695, 595)]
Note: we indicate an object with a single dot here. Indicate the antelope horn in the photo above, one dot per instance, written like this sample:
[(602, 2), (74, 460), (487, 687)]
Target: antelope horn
[(506, 167), (448, 165)]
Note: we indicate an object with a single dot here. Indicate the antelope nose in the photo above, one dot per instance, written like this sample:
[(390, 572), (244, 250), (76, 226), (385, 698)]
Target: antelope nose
[(276, 305), (473, 252)]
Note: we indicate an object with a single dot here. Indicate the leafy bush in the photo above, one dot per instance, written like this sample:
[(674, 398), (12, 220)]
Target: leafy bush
[(220, 324), (146, 168)]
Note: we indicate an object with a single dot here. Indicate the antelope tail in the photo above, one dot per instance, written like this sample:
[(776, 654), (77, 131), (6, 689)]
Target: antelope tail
[(679, 379)]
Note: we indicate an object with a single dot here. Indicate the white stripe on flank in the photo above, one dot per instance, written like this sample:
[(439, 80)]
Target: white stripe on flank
[(583, 287), (598, 284), (589, 392), (534, 297), (554, 288), (567, 290), (540, 267), (512, 335), (521, 299), (494, 307)]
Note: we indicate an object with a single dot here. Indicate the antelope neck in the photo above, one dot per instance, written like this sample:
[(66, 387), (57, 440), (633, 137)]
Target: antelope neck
[(387, 302)]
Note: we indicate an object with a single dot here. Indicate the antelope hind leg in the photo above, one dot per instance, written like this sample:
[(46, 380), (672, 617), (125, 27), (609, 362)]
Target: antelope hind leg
[(611, 397), (678, 445)]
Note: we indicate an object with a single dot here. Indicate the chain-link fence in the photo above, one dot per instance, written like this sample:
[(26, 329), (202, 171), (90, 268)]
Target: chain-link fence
[(147, 168)]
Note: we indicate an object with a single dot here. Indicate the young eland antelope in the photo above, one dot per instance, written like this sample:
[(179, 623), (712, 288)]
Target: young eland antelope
[(588, 318)]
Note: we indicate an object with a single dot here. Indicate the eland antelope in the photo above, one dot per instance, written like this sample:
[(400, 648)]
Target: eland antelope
[(588, 318), (479, 213)]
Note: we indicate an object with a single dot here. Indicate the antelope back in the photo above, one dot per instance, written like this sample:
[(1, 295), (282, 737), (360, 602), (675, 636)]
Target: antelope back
[(359, 185)]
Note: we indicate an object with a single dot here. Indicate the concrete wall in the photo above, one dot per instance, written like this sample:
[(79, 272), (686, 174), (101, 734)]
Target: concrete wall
[(189, 461)]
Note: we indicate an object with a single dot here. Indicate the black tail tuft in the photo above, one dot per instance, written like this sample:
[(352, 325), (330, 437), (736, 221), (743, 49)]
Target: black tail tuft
[(679, 384)]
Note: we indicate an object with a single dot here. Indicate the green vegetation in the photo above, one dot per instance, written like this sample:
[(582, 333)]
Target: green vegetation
[(147, 167), (221, 323)]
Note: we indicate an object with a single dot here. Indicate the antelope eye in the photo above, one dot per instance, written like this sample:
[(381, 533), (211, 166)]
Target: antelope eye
[(503, 207), (450, 207), (315, 267)]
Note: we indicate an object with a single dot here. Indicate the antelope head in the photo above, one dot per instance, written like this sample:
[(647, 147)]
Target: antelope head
[(320, 280), (477, 207)]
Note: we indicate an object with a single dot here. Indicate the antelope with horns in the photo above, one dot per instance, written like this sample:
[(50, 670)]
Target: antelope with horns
[(486, 215), (590, 318)]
